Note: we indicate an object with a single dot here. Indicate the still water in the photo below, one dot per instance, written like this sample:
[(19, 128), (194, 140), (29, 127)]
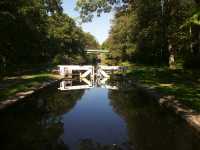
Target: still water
[(93, 116)]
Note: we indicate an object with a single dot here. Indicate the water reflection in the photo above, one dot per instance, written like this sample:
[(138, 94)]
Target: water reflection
[(94, 118), (85, 83), (36, 123), (149, 126)]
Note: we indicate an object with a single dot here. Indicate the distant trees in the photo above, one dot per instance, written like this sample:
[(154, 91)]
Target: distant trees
[(37, 32), (150, 32), (66, 40), (90, 41), (121, 39)]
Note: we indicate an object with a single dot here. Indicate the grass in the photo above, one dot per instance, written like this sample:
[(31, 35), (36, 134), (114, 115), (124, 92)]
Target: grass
[(10, 86), (183, 84)]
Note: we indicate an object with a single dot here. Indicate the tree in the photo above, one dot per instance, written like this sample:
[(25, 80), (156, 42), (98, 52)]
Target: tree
[(34, 32), (121, 39), (54, 6), (192, 27), (90, 41), (156, 32)]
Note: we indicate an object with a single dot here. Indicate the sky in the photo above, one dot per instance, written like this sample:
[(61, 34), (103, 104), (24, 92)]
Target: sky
[(99, 27)]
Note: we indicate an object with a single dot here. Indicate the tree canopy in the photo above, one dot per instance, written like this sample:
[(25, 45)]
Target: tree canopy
[(37, 32), (150, 32), (90, 41)]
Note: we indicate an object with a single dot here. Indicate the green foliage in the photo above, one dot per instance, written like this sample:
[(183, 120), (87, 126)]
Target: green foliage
[(65, 38), (192, 54), (11, 86), (59, 59), (121, 39), (145, 32), (90, 41), (34, 32), (183, 84), (87, 8)]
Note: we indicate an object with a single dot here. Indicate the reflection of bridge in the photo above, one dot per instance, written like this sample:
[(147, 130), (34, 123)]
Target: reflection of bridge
[(96, 51), (101, 71), (67, 85)]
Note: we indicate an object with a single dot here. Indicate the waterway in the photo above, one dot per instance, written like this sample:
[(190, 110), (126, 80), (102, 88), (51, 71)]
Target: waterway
[(112, 116)]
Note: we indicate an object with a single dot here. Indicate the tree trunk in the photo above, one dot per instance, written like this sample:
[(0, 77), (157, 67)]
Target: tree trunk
[(191, 41), (172, 63), (199, 41)]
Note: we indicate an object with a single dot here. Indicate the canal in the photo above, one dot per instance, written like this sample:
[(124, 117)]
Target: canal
[(115, 116)]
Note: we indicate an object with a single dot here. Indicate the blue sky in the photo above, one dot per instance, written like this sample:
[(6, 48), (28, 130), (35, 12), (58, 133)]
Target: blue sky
[(99, 27)]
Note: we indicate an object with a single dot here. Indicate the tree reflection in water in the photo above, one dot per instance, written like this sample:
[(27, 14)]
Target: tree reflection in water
[(149, 126), (89, 144), (37, 121)]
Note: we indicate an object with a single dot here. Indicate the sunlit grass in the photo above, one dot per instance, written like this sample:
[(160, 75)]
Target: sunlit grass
[(10, 86), (183, 84)]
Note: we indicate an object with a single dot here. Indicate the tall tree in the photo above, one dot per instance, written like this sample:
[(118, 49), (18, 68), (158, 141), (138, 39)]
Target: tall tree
[(90, 41)]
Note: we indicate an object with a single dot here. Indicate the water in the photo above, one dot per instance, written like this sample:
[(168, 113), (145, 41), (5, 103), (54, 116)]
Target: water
[(96, 118)]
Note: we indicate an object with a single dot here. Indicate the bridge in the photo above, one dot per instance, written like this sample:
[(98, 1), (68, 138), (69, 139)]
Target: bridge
[(68, 70), (96, 51), (88, 70)]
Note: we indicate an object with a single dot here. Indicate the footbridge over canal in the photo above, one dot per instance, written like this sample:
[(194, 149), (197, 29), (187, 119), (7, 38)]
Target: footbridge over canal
[(89, 51)]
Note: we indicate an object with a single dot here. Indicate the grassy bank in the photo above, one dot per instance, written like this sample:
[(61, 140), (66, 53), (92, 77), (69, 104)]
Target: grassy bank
[(11, 86), (184, 85)]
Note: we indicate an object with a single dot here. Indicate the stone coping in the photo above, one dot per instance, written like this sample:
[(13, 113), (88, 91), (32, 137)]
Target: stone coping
[(191, 116)]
